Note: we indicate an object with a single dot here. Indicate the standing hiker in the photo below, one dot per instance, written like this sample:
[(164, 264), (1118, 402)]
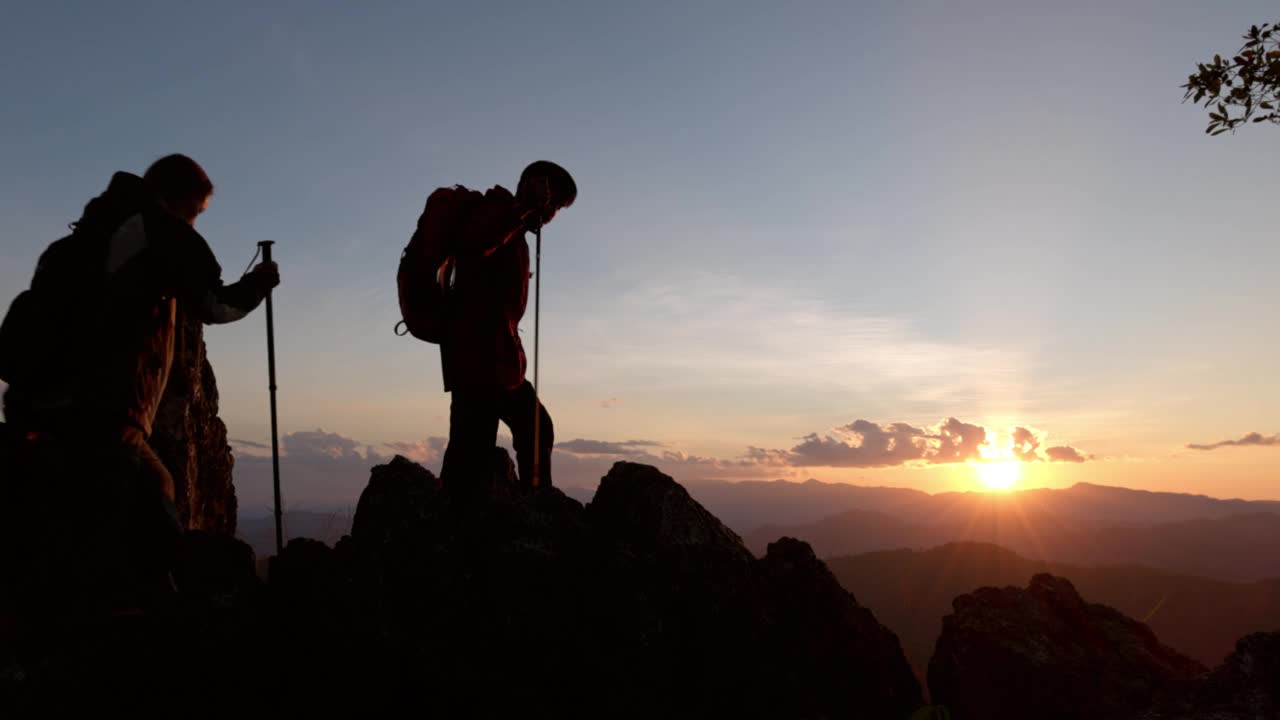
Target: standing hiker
[(481, 240), (87, 351)]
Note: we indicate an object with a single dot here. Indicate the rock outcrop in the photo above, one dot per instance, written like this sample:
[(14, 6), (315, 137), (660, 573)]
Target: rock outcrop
[(191, 439), (642, 604), (1245, 687), (1044, 652), (497, 603)]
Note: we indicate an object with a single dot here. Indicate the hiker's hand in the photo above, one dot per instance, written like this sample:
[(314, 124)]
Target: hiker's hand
[(266, 275), (533, 218), (536, 205)]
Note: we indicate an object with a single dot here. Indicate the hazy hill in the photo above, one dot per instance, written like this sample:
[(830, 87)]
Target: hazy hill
[(1085, 524), (749, 505), (910, 591)]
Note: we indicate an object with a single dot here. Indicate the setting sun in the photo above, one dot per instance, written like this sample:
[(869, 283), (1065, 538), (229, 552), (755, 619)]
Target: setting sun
[(999, 475)]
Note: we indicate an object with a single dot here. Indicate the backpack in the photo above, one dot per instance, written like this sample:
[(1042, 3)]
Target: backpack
[(425, 278), (44, 335)]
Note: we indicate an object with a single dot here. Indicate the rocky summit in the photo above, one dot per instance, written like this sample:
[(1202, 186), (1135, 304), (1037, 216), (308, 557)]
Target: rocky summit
[(485, 601), (1246, 686), (1044, 652)]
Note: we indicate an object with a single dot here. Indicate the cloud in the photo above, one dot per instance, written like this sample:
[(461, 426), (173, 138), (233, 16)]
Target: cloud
[(324, 469), (1064, 453), (610, 403), (1026, 446), (318, 469), (699, 330), (601, 447), (427, 452), (318, 443), (865, 444), (1253, 438), (248, 444), (581, 463), (763, 457), (860, 444)]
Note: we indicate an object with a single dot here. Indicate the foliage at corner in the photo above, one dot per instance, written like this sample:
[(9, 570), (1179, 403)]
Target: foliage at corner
[(1241, 89)]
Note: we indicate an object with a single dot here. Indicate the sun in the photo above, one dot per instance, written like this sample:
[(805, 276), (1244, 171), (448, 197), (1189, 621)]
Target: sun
[(999, 475)]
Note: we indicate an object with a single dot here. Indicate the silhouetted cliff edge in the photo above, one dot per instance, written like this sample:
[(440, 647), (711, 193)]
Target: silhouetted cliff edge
[(641, 604)]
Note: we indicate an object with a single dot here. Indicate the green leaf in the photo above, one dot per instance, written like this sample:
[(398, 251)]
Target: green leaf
[(1218, 132)]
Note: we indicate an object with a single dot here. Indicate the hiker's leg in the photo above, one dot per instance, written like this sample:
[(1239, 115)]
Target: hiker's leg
[(473, 431), (518, 407), (158, 529), (153, 474)]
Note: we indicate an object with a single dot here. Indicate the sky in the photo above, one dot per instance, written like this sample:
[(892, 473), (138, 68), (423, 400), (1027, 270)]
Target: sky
[(820, 239)]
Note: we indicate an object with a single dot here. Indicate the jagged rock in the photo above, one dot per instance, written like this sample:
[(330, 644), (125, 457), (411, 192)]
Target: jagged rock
[(829, 638), (209, 642), (217, 567), (646, 601), (191, 439), (1044, 652), (491, 601), (397, 495), (1245, 687), (638, 505)]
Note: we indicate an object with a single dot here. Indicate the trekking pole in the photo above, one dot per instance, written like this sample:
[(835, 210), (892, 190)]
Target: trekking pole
[(265, 246), (537, 402)]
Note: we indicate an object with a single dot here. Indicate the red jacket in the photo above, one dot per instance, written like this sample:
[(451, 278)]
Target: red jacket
[(482, 348)]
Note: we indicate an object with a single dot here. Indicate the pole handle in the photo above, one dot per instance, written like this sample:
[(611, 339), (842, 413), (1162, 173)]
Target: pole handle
[(265, 246)]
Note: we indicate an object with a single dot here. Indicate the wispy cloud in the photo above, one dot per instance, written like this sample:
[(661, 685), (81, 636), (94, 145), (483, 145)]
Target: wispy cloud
[(717, 330), (601, 447), (1253, 439)]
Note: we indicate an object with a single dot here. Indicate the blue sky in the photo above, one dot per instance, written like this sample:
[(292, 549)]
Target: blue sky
[(791, 217)]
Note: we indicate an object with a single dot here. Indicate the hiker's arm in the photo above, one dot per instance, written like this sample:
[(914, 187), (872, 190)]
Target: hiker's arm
[(228, 303), (200, 288), (491, 223)]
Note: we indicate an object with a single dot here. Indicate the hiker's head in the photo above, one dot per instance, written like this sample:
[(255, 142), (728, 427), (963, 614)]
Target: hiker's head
[(180, 185), (547, 186)]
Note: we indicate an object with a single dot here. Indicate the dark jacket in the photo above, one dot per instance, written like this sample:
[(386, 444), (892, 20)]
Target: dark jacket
[(154, 265), (482, 349)]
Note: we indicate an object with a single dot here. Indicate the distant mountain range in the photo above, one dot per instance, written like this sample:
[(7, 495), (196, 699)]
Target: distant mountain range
[(909, 591), (1201, 571), (1084, 524)]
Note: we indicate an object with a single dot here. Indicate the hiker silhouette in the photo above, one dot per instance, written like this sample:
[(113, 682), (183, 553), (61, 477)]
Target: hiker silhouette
[(86, 352), (464, 284)]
